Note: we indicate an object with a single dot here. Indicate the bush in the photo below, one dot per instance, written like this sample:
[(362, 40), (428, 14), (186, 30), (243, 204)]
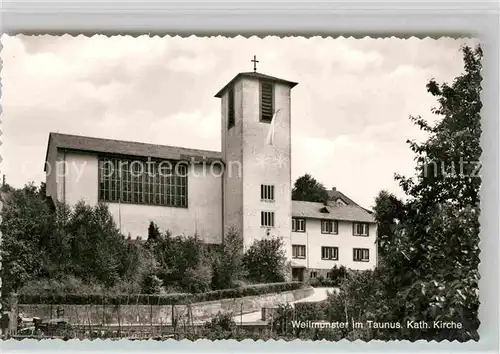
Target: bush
[(181, 261), (69, 284), (284, 315), (337, 274), (151, 284), (125, 287), (221, 322), (361, 299), (198, 279), (228, 262), (282, 318), (314, 311), (322, 282), (265, 261)]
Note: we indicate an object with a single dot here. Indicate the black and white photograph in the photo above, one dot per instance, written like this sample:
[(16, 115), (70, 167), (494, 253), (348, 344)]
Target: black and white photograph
[(218, 188)]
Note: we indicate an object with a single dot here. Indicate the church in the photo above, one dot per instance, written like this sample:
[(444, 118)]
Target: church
[(246, 185)]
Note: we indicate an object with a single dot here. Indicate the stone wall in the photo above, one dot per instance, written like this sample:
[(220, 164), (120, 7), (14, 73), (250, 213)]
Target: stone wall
[(160, 314)]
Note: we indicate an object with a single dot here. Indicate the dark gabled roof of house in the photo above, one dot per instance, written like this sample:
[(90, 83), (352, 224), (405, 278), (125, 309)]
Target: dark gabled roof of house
[(258, 76), (127, 148), (334, 194), (339, 212)]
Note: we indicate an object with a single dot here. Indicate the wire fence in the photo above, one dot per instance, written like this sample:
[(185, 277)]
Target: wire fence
[(130, 320)]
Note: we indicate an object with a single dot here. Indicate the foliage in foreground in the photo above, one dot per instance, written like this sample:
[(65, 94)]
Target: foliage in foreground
[(436, 255), (428, 269), (80, 250), (265, 261)]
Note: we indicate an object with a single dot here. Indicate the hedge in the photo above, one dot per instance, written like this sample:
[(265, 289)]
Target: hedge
[(168, 299), (325, 283), (315, 308)]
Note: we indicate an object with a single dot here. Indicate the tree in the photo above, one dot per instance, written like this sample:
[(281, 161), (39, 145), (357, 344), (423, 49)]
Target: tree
[(95, 243), (27, 222), (448, 162), (265, 261), (429, 271), (198, 278), (389, 212), (151, 284), (306, 188), (437, 254), (153, 232), (5, 188), (228, 261)]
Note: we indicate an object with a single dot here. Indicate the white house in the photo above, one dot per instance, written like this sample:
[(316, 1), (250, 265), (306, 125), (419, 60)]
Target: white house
[(338, 234), (247, 185)]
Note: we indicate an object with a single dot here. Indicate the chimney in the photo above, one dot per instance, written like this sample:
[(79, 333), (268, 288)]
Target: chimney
[(334, 189)]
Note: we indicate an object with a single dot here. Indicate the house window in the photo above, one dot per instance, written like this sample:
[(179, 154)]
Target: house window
[(313, 275), (266, 101), (298, 251), (266, 192), (298, 225), (360, 229), (230, 109), (329, 227), (267, 218), (143, 182), (330, 253), (361, 255)]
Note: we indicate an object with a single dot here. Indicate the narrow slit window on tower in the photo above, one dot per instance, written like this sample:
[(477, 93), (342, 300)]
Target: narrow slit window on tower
[(230, 109), (266, 101), (267, 218), (266, 192)]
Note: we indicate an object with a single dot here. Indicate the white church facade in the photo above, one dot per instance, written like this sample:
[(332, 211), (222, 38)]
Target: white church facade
[(247, 185)]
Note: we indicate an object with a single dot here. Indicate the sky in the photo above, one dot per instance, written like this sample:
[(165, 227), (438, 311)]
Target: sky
[(350, 109)]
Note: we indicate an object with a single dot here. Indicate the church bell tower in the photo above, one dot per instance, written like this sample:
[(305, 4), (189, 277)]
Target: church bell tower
[(256, 148)]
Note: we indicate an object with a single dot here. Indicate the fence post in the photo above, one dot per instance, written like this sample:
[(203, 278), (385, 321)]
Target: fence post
[(103, 310), (158, 310), (190, 318), (89, 320), (119, 315), (272, 322), (13, 313), (150, 313)]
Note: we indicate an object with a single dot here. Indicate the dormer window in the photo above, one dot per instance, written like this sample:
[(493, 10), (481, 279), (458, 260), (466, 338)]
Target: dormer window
[(266, 102), (340, 202), (324, 210)]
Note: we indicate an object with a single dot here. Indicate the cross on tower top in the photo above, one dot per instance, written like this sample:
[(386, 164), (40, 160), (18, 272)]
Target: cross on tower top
[(255, 61)]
